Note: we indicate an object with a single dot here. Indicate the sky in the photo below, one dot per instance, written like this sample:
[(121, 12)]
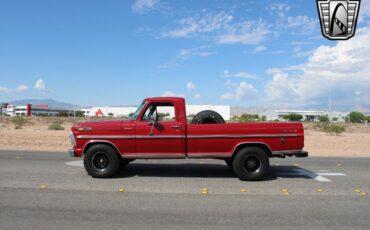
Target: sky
[(241, 53)]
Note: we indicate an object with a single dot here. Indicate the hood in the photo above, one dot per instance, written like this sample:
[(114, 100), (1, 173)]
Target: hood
[(103, 125)]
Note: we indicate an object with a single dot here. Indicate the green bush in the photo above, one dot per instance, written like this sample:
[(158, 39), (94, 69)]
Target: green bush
[(333, 128), (19, 122), (356, 117), (55, 126), (248, 118), (324, 119), (293, 117)]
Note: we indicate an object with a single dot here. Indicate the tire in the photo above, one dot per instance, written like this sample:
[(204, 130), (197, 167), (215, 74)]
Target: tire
[(101, 161), (208, 117), (251, 164), (229, 162)]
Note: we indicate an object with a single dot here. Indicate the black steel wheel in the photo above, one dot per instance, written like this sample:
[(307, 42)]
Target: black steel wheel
[(101, 161), (251, 163)]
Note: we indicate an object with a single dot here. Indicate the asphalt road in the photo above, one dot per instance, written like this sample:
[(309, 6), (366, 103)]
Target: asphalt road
[(166, 194)]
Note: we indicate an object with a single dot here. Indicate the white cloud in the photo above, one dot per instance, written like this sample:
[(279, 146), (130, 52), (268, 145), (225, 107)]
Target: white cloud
[(260, 49), (40, 85), (219, 26), (201, 51), (4, 89), (279, 8), (358, 92), (247, 32), (243, 91), (20, 88), (242, 74), (190, 86), (197, 96), (199, 24), (169, 93), (302, 24), (185, 54), (144, 5), (342, 69)]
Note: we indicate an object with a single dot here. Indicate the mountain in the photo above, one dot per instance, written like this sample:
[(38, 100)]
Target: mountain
[(50, 102)]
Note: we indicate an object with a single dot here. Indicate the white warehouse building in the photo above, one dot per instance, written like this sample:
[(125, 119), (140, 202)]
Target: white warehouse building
[(125, 111)]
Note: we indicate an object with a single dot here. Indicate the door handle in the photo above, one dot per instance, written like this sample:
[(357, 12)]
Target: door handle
[(176, 126)]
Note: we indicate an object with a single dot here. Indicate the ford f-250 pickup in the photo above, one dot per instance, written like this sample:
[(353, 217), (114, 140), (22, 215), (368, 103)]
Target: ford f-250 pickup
[(159, 129)]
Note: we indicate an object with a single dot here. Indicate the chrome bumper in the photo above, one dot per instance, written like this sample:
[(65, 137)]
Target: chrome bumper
[(71, 153), (296, 153)]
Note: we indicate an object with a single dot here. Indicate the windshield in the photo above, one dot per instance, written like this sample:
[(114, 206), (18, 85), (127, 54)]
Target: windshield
[(136, 113)]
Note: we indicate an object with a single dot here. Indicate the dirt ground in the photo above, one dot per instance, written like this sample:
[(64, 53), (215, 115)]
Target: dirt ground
[(34, 135)]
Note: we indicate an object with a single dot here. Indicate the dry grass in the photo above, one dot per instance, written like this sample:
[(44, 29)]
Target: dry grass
[(34, 135)]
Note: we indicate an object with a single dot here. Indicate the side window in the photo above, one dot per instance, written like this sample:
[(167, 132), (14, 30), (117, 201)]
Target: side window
[(166, 113), (163, 112)]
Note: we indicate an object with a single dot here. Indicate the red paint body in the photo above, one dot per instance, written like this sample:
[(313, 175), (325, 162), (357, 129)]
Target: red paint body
[(177, 139)]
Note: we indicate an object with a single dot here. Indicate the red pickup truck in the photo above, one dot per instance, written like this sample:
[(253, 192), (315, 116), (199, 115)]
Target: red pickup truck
[(159, 129)]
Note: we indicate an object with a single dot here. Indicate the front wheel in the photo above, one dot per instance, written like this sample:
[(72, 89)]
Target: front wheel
[(101, 161), (251, 163)]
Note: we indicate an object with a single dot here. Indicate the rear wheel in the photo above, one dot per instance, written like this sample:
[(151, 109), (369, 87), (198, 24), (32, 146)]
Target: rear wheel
[(251, 163), (101, 161)]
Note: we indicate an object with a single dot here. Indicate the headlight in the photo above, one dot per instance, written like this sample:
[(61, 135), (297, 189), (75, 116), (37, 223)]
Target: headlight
[(72, 139)]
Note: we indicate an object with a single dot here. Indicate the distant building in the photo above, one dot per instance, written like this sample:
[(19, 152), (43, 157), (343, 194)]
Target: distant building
[(34, 110), (272, 115)]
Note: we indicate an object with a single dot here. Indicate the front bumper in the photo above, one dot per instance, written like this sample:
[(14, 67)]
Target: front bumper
[(296, 153), (71, 153)]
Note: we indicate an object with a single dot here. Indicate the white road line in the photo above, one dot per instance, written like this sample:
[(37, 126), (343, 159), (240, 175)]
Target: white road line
[(332, 174), (317, 176)]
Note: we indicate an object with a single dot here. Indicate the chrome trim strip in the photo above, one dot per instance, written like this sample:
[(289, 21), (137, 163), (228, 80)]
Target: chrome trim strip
[(130, 137), (155, 156), (251, 143), (99, 141), (104, 137), (210, 155), (183, 136), (240, 136)]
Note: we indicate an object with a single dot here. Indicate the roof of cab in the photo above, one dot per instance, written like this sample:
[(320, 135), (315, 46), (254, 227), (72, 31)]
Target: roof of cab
[(179, 99)]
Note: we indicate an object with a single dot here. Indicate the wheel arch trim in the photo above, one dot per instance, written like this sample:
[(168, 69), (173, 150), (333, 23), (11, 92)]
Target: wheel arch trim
[(94, 142), (257, 144)]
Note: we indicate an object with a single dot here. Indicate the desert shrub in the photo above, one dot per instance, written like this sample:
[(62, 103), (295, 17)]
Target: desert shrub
[(356, 117), (58, 121), (19, 122), (324, 119), (335, 119), (332, 128), (293, 117), (55, 126)]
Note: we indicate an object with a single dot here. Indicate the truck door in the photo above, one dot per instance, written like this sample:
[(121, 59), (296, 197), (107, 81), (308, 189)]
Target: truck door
[(159, 133)]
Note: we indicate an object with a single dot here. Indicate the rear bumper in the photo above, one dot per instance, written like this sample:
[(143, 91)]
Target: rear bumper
[(71, 153), (296, 153)]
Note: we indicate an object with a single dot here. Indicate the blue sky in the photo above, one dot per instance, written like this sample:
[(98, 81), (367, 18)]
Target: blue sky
[(246, 53)]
